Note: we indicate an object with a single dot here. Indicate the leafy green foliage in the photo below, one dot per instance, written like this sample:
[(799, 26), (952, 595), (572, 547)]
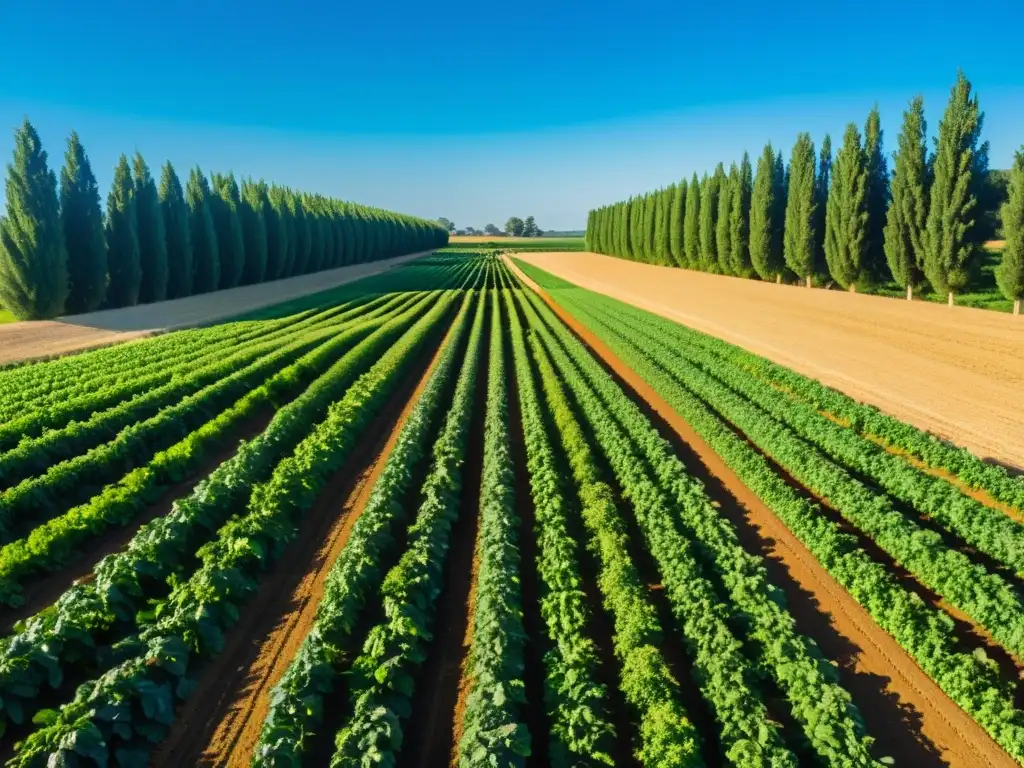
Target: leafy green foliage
[(846, 215), (801, 210), (152, 236), (178, 234), (82, 219), (907, 214), (1010, 274), (202, 235), (121, 229)]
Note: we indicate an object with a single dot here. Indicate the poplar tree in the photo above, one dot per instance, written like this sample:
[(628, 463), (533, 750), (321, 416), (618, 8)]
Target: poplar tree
[(651, 214), (33, 259), (636, 230), (625, 222), (739, 221), (151, 234), (254, 234), (286, 228), (878, 199), (767, 203), (1010, 273), (821, 186), (82, 220), (723, 225), (952, 234), (205, 256), (121, 230), (799, 241), (711, 190), (908, 211), (176, 231), (659, 228), (668, 196), (677, 218), (277, 238), (691, 225), (302, 234), (225, 205), (846, 217)]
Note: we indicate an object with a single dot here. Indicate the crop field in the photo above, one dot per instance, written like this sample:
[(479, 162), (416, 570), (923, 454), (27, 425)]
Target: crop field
[(466, 513)]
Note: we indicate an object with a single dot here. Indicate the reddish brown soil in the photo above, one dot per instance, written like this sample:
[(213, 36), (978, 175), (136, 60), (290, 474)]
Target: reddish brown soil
[(46, 588), (879, 674), (48, 338), (431, 739), (957, 372), (220, 723)]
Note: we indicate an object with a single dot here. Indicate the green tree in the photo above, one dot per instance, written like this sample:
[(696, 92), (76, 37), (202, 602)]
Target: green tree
[(677, 224), (514, 227), (279, 202), (1010, 273), (530, 227), (205, 257), (123, 260), (33, 259), (254, 233), (878, 199), (799, 241), (650, 227), (82, 219), (625, 222), (821, 186), (952, 236), (176, 231), (908, 211), (225, 207), (665, 217), (277, 235), (739, 221), (765, 257), (302, 233), (152, 237), (660, 250), (723, 228), (846, 216), (711, 188), (691, 224)]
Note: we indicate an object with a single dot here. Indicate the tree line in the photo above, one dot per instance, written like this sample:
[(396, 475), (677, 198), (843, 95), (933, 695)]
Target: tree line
[(514, 227), (845, 219), (60, 253)]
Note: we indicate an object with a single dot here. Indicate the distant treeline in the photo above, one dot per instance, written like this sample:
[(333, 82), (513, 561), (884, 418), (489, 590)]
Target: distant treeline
[(845, 219), (60, 253)]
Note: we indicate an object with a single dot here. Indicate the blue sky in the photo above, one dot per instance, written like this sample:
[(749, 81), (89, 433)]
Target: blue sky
[(481, 111)]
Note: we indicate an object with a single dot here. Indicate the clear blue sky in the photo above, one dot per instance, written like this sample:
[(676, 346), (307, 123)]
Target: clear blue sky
[(479, 111)]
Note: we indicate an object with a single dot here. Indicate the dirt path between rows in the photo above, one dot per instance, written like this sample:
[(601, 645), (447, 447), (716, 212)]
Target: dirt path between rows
[(220, 723), (910, 716), (48, 338), (957, 372)]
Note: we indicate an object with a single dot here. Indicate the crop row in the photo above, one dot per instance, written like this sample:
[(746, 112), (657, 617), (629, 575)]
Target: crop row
[(824, 710), (575, 701), (125, 581), (297, 702), (493, 732), (382, 677), (985, 597), (141, 385), (927, 634), (122, 712)]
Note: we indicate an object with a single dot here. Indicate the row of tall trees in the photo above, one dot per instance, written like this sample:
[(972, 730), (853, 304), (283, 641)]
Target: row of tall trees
[(842, 218), (61, 253)]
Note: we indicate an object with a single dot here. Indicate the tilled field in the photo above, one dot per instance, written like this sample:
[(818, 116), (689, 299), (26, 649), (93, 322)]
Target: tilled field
[(464, 515)]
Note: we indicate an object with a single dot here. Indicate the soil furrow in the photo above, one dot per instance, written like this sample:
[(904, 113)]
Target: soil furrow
[(874, 666)]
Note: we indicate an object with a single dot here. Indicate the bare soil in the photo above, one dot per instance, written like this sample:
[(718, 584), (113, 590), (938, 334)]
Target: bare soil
[(47, 338), (913, 720), (957, 372), (219, 725)]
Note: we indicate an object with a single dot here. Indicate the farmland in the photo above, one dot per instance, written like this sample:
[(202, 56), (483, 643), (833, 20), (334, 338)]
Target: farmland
[(465, 512)]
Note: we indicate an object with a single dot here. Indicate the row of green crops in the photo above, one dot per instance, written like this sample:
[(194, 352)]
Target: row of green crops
[(493, 732), (382, 676), (926, 633), (298, 701), (985, 597), (576, 702), (824, 710), (126, 581), (125, 710)]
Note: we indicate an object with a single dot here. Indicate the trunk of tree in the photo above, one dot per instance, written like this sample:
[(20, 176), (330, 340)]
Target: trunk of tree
[(1016, 306), (910, 293), (853, 287), (808, 281), (778, 279), (950, 300)]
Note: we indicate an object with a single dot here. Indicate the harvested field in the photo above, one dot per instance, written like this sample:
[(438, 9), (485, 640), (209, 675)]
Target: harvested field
[(49, 338), (958, 373)]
